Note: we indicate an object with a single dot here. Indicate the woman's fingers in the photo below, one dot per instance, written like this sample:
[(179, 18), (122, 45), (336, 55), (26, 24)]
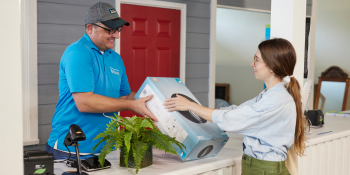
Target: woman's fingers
[(169, 103), (171, 110), (176, 104), (170, 106), (170, 99)]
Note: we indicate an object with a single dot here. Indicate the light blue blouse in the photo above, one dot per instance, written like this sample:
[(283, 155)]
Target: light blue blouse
[(266, 121)]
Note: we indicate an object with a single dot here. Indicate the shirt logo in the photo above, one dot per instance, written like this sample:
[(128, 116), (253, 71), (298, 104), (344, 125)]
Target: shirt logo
[(114, 71)]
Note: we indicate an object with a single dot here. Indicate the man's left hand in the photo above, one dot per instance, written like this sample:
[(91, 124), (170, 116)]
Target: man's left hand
[(139, 107)]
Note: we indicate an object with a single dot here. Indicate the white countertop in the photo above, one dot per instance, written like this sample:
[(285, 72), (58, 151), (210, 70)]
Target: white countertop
[(172, 164), (333, 128), (231, 154)]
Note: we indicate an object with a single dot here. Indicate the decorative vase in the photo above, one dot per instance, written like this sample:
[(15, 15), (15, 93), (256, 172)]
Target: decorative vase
[(145, 162)]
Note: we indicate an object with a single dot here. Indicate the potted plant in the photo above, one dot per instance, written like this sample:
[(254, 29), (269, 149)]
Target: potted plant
[(134, 137)]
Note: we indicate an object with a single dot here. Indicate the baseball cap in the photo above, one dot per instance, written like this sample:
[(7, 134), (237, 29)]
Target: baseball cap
[(106, 14)]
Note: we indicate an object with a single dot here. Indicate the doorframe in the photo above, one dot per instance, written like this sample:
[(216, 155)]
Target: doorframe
[(29, 55), (212, 56), (168, 5)]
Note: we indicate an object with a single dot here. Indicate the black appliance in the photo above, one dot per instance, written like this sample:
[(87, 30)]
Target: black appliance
[(38, 162), (316, 117)]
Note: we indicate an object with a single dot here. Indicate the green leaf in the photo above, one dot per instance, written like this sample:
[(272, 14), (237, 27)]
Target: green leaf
[(125, 123), (116, 116), (138, 149), (160, 141), (126, 158), (132, 120), (135, 136), (105, 150), (102, 140), (127, 139), (146, 124), (119, 137), (174, 141), (135, 119), (104, 134)]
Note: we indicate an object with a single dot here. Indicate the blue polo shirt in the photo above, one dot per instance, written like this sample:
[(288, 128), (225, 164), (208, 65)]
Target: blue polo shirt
[(83, 68)]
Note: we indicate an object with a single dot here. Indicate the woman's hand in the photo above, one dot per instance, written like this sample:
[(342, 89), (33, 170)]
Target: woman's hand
[(178, 103)]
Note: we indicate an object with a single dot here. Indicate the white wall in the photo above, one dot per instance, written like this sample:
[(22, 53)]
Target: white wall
[(238, 34), (332, 37), (258, 4), (11, 107)]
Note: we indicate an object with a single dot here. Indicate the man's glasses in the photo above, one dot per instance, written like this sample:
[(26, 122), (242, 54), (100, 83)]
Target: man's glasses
[(111, 31)]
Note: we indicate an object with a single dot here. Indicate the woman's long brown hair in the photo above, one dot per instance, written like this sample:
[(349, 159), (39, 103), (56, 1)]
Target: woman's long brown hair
[(279, 55)]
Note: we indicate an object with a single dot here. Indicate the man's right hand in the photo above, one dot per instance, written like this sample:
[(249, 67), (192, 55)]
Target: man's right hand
[(139, 106)]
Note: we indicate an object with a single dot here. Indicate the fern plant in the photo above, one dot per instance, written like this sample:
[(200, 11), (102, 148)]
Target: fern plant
[(133, 133)]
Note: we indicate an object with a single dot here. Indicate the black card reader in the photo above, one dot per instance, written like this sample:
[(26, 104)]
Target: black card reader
[(89, 164)]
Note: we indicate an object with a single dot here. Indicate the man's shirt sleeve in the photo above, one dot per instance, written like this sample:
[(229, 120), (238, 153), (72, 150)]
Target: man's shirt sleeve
[(78, 69)]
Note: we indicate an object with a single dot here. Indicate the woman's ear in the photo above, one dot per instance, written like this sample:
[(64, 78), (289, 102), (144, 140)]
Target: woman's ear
[(272, 73)]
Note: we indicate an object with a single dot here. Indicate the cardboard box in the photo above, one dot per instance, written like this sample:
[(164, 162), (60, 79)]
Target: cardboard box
[(202, 138)]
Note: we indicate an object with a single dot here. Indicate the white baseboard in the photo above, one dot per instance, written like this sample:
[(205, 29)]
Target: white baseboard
[(30, 142)]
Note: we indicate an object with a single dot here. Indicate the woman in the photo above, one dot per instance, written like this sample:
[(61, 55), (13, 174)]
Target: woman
[(271, 122)]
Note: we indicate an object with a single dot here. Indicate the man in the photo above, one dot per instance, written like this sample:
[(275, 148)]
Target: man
[(93, 83)]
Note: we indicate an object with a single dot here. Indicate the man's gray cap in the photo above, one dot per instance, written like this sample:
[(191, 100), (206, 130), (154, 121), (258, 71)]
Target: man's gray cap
[(106, 14)]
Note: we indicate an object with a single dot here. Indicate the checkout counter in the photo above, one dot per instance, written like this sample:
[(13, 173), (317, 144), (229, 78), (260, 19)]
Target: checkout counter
[(328, 152)]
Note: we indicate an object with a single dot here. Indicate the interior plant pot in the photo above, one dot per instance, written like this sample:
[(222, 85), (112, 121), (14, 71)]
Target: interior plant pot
[(145, 162)]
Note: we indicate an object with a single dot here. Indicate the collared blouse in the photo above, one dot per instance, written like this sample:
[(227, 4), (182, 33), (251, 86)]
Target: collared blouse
[(266, 121)]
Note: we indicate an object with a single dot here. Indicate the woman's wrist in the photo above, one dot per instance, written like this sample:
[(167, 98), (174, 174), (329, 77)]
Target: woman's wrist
[(193, 106)]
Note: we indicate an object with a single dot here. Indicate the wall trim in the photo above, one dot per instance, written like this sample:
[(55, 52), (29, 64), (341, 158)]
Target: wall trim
[(243, 8), (168, 5), (247, 9), (311, 56), (29, 72), (212, 52)]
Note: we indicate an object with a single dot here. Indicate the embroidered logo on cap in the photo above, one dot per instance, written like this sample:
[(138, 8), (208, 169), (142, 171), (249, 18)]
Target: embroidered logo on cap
[(112, 11)]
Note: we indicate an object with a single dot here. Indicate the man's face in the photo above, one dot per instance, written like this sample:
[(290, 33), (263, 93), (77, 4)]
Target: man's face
[(101, 37)]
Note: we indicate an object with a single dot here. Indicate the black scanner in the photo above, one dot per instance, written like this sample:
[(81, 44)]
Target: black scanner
[(75, 134)]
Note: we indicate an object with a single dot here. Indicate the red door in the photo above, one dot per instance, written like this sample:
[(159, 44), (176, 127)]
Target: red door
[(150, 46)]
